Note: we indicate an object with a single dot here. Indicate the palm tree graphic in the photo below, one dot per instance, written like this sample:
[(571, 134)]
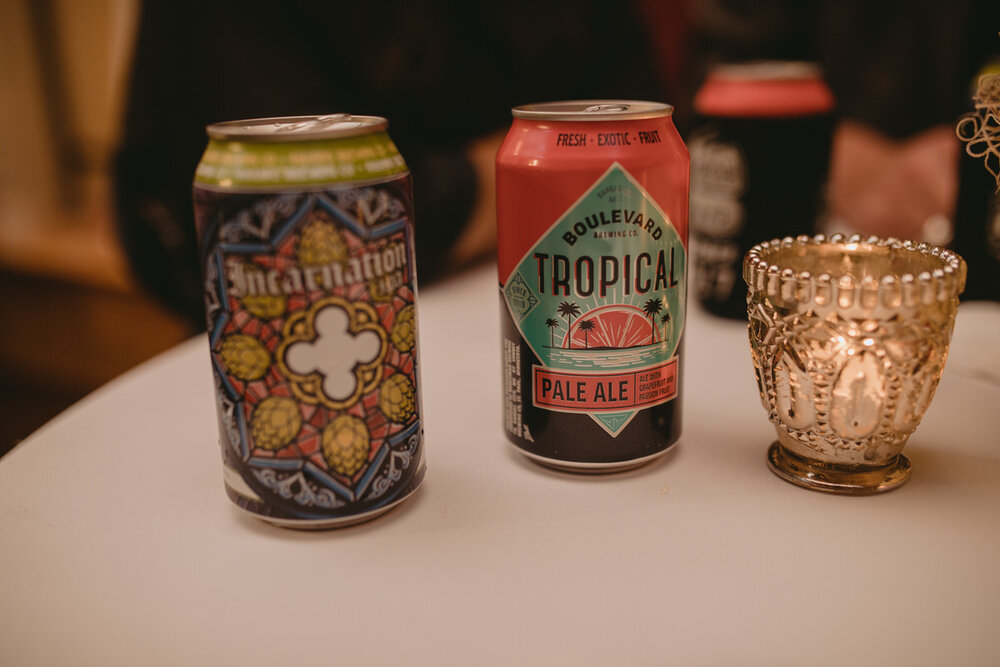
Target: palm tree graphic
[(651, 308), (552, 323), (569, 310), (586, 326), (665, 320)]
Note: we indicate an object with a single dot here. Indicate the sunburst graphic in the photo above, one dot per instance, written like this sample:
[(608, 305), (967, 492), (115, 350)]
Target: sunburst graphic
[(614, 327)]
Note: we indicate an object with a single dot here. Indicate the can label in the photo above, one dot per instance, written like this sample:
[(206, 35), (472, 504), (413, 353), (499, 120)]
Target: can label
[(599, 300), (718, 188), (312, 326), (248, 165)]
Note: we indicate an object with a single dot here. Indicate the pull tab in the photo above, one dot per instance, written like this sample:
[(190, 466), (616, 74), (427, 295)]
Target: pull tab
[(318, 123), (606, 107)]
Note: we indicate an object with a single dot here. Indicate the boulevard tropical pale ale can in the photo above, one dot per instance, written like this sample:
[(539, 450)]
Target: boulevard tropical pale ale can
[(592, 201), (306, 232)]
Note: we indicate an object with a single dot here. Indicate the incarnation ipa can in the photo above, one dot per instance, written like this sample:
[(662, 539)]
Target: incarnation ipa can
[(760, 154), (306, 230), (592, 203)]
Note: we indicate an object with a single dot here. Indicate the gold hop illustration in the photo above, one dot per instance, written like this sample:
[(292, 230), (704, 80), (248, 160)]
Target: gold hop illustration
[(346, 443), (396, 398), (320, 244), (275, 421), (404, 330), (245, 357), (264, 306)]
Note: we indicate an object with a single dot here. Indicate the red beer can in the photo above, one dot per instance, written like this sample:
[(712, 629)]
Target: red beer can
[(592, 217)]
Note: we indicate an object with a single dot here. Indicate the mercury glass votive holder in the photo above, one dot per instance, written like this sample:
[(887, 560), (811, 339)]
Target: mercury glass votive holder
[(849, 337)]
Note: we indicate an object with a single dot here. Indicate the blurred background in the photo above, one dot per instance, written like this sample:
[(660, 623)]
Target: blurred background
[(72, 315), (103, 105)]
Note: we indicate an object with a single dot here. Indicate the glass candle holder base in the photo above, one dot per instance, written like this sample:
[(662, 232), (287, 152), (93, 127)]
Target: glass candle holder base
[(832, 478)]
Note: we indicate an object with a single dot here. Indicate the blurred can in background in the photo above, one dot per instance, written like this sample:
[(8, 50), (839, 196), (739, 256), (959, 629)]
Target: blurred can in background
[(760, 155), (306, 233), (592, 247)]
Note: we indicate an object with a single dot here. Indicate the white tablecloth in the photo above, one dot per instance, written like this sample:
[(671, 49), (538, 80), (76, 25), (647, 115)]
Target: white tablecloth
[(119, 546)]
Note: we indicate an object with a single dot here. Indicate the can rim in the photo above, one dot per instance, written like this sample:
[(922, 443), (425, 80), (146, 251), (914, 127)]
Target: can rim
[(768, 70), (593, 110), (283, 129)]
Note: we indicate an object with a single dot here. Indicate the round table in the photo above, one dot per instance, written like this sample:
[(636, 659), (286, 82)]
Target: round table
[(120, 547)]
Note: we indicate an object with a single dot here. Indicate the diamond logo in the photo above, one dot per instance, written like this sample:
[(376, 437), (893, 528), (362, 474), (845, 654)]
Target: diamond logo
[(520, 298)]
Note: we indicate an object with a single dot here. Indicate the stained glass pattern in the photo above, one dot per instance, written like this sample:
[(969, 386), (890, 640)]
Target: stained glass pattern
[(295, 289)]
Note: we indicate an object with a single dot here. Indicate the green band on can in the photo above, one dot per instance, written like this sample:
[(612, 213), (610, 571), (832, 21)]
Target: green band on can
[(236, 164)]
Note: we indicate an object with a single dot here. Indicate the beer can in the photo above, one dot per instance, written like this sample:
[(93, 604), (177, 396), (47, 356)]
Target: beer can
[(760, 154), (592, 203), (306, 244)]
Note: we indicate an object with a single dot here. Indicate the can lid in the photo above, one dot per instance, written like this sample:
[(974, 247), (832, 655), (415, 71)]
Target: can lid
[(768, 70), (297, 128), (764, 89), (591, 110)]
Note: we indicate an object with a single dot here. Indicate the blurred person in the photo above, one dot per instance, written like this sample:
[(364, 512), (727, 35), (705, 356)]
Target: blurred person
[(900, 72), (444, 74)]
